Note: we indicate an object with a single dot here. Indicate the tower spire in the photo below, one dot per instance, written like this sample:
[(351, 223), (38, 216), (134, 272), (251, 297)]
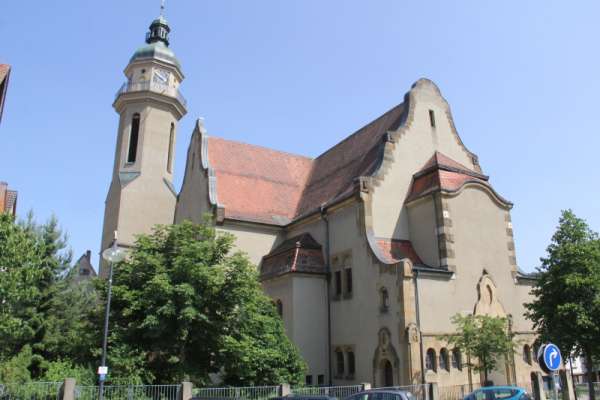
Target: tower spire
[(159, 29)]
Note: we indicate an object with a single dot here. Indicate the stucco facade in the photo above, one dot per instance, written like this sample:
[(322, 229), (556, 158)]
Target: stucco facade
[(367, 250)]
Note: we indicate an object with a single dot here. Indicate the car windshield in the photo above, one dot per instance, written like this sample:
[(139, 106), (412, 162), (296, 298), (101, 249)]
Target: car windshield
[(385, 396)]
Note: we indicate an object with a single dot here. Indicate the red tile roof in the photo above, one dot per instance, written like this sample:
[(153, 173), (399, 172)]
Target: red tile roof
[(301, 253), (443, 173), (262, 185), (394, 250)]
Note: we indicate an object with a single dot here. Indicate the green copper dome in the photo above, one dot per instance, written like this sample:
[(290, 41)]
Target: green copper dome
[(157, 50), (157, 40)]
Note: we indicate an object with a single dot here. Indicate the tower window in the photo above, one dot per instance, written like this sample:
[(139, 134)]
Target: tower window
[(170, 155), (351, 363), (432, 118), (384, 300), (349, 281), (338, 283), (133, 138), (339, 358)]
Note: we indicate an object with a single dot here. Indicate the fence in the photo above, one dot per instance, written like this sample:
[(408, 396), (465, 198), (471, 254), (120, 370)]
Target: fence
[(129, 392), (31, 391), (246, 393), (340, 392)]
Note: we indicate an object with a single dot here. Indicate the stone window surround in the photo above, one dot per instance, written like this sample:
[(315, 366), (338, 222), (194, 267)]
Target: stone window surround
[(449, 362), (341, 262), (344, 350)]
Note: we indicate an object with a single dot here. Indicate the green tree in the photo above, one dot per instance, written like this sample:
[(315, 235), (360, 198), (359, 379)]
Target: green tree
[(20, 293), (566, 308), (485, 340), (186, 306)]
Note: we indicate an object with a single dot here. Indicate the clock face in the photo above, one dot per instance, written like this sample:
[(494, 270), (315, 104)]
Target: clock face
[(161, 76)]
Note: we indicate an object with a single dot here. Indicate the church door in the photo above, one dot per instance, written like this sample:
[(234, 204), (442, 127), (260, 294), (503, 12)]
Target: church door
[(388, 374)]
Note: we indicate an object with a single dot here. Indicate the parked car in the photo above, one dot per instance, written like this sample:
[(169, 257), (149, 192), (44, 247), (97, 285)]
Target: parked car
[(303, 397), (499, 393), (382, 394)]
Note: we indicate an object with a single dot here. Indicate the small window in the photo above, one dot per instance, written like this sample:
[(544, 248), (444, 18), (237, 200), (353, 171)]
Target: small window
[(430, 363), (338, 283), (432, 118), (308, 380), (84, 271), (384, 300), (444, 365), (349, 280), (351, 363), (339, 359), (170, 154), (321, 379), (133, 138), (279, 306), (536, 349), (456, 359)]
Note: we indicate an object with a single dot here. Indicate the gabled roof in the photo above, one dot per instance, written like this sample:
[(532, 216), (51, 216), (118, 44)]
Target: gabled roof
[(300, 253), (4, 70), (278, 187), (441, 173)]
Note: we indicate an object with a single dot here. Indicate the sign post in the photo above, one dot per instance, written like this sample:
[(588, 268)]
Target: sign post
[(550, 359)]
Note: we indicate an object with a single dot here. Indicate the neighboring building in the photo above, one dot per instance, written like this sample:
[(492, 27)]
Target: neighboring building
[(4, 75), (578, 368), (8, 199), (368, 250), (83, 268)]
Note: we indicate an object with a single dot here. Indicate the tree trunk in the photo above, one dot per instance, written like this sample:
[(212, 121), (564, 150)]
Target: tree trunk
[(589, 366)]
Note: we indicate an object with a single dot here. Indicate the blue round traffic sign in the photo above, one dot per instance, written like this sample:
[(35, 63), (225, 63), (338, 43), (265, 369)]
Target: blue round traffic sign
[(551, 358)]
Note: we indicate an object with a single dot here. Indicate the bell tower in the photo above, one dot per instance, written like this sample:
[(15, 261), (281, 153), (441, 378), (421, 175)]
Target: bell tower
[(149, 104)]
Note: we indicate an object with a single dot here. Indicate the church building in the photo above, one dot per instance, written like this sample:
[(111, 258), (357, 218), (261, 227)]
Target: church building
[(367, 250)]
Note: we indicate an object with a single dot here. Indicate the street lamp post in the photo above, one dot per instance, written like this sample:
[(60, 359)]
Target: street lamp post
[(113, 255)]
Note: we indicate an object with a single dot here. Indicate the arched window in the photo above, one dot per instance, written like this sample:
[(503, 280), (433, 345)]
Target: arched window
[(339, 359), (527, 354), (536, 348), (279, 306), (444, 364), (351, 363), (170, 155), (456, 359), (133, 138), (384, 300), (430, 363)]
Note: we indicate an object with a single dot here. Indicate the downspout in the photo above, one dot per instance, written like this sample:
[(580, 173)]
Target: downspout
[(416, 277), (325, 218)]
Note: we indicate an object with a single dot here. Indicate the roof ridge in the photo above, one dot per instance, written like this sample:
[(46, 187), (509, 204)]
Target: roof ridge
[(359, 130)]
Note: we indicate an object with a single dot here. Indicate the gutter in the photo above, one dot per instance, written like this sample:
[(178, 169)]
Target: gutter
[(325, 218), (416, 271)]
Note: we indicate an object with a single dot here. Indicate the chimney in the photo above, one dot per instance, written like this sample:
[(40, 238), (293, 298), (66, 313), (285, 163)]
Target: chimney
[(88, 255)]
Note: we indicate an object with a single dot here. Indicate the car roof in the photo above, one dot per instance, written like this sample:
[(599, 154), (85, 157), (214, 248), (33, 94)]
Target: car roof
[(500, 387)]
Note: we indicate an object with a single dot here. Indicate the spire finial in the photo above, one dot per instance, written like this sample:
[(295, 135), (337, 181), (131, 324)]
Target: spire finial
[(162, 8)]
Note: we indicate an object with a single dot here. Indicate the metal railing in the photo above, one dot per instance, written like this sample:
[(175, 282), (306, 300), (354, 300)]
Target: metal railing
[(129, 392), (420, 391), (340, 392), (247, 393), (30, 391), (151, 86)]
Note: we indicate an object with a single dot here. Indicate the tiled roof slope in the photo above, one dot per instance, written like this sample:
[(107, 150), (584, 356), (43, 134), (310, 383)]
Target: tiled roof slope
[(394, 250), (262, 185), (255, 183), (443, 173)]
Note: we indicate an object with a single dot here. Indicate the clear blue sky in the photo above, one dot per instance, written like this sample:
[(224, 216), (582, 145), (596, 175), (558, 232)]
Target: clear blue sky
[(300, 75)]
